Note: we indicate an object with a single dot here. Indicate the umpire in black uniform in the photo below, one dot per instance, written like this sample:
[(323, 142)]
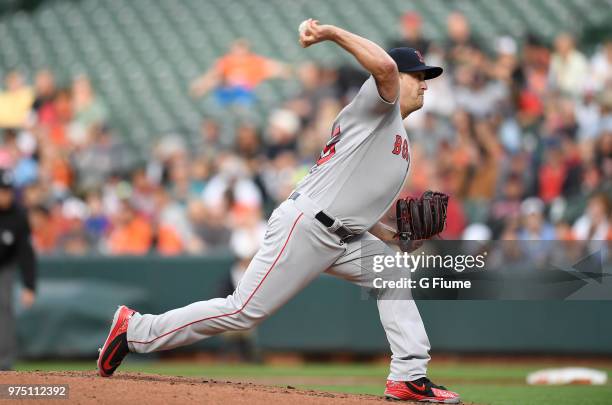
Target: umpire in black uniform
[(15, 249)]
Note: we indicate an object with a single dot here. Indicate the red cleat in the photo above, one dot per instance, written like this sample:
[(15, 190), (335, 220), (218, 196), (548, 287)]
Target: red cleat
[(115, 347), (421, 390)]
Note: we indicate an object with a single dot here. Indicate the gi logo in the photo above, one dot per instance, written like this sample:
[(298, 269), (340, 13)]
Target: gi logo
[(7, 238)]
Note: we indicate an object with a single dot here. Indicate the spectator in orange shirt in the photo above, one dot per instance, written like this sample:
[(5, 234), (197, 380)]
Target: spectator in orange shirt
[(55, 168), (44, 235), (132, 235), (169, 242), (175, 233), (57, 126), (235, 75)]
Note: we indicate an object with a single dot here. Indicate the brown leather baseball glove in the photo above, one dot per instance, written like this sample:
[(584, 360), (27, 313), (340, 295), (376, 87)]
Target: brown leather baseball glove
[(421, 218)]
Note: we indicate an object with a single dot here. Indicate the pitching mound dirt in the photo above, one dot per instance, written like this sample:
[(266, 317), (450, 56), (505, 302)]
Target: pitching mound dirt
[(86, 387)]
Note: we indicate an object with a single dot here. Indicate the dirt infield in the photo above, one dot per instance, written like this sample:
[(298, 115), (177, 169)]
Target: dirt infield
[(86, 387)]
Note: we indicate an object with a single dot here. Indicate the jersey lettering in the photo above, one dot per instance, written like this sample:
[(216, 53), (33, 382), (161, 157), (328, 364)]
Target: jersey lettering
[(330, 148), (405, 150), (397, 147), (328, 152), (401, 146)]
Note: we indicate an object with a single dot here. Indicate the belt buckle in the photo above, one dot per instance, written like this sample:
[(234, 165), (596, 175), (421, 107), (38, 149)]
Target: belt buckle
[(347, 238)]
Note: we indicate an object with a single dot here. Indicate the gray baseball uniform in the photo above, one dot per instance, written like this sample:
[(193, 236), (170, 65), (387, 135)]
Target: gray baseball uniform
[(358, 176)]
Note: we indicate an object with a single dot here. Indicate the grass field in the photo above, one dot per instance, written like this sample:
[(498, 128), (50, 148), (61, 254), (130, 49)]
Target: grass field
[(480, 383)]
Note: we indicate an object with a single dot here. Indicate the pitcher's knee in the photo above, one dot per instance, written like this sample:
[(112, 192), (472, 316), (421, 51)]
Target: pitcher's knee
[(242, 317), (245, 315), (248, 319)]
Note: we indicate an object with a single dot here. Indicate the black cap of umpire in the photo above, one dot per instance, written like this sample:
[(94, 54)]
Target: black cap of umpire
[(410, 60)]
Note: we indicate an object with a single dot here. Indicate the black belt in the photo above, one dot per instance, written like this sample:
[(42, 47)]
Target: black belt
[(343, 232)]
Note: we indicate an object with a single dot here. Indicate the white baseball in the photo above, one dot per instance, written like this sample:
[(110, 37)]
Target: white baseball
[(303, 26)]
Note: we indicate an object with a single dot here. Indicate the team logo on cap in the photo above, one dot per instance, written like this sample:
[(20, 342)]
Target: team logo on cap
[(418, 54)]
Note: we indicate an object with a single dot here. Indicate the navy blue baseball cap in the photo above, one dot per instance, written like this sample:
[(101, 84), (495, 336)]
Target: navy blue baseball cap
[(410, 60)]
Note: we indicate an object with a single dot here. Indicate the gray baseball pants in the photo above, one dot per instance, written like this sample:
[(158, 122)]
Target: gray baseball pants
[(297, 248)]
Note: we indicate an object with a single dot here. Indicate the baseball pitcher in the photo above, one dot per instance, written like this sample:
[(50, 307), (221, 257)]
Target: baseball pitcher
[(323, 225)]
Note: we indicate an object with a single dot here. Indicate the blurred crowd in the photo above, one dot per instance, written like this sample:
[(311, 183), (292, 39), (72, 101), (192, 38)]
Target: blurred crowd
[(519, 135)]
